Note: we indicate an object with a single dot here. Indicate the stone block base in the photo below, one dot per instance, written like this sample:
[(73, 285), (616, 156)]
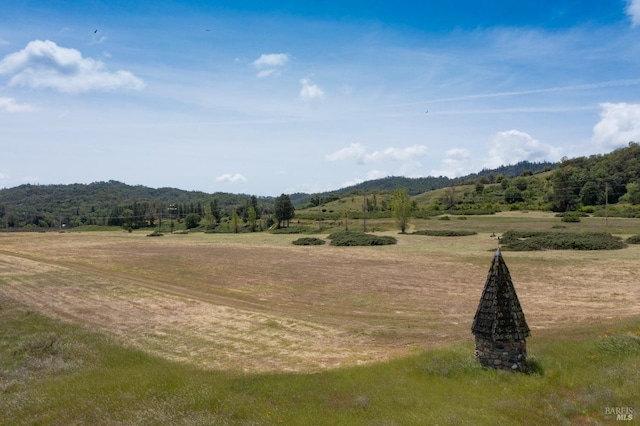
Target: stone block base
[(502, 355)]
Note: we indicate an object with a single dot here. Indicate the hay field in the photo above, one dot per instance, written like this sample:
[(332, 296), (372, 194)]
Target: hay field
[(255, 302)]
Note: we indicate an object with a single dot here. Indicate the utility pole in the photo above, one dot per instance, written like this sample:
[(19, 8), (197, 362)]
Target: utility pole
[(606, 204), (364, 211)]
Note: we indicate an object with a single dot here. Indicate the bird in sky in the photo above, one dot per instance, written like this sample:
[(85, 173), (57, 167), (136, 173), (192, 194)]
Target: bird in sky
[(95, 31)]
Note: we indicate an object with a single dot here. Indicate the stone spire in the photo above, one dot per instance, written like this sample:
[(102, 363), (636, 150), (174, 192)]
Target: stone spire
[(499, 325)]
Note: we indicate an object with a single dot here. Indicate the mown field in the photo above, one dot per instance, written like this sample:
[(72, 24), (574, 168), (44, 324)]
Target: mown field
[(120, 328)]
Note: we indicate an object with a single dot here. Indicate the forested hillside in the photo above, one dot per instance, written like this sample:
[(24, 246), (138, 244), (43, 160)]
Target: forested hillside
[(416, 186), (593, 180), (113, 203), (575, 184)]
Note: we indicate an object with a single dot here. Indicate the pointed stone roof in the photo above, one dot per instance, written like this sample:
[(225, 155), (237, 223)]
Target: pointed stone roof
[(499, 316)]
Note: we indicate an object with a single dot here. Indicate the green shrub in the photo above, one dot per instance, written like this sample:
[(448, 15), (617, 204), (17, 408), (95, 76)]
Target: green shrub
[(192, 220), (620, 344), (572, 218), (635, 239), (155, 234), (292, 230), (444, 233), (357, 238), (528, 241), (444, 218), (308, 241)]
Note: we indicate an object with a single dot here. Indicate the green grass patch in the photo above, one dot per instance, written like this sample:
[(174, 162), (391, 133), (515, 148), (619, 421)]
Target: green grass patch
[(358, 238), (444, 233), (56, 373), (536, 240)]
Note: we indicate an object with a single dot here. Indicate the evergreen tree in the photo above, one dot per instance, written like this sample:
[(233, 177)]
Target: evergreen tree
[(283, 210)]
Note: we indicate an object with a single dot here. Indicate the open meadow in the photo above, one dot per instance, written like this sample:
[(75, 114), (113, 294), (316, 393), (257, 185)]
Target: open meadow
[(119, 328)]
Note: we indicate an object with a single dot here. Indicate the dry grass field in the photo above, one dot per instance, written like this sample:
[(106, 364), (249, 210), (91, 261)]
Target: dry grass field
[(255, 302)]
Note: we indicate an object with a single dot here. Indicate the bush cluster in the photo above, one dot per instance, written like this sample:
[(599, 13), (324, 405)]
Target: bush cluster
[(529, 241), (571, 218), (472, 212), (292, 230), (358, 238), (635, 239), (308, 241), (444, 233)]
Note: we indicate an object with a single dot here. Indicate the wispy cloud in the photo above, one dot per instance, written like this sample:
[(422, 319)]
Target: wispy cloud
[(310, 91), (397, 154), (268, 72), (269, 64), (44, 64), (358, 152), (231, 178), (619, 124), (633, 11), (10, 105), (355, 151), (271, 60), (600, 85)]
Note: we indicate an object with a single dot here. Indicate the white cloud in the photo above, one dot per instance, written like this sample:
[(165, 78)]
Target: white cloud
[(3, 42), (456, 162), (310, 91), (355, 150), (619, 124), (268, 72), (231, 178), (10, 105), (4, 176), (633, 10), (397, 154), (371, 175), (268, 64), (44, 64), (513, 146), (358, 152), (269, 60)]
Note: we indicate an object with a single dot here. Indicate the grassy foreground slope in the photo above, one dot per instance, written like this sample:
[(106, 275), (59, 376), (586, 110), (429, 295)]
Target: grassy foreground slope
[(197, 329), (56, 373)]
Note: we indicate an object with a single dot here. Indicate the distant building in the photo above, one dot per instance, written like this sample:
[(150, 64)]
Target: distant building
[(499, 325)]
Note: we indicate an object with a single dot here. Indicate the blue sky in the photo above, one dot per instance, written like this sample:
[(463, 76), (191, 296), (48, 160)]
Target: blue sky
[(279, 97)]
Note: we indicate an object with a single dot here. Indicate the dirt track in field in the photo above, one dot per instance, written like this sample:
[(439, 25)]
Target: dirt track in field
[(272, 306)]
